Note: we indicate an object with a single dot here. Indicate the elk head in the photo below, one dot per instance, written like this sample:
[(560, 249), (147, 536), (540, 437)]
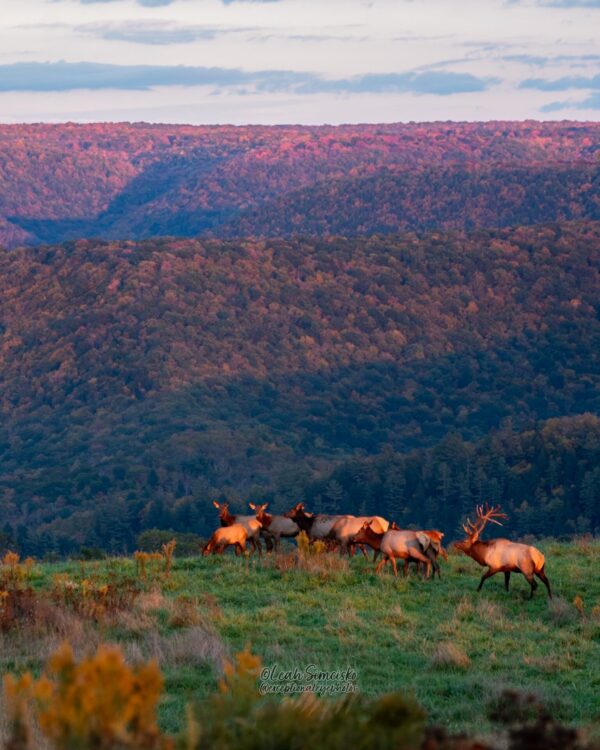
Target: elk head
[(366, 535), (435, 541), (262, 516), (473, 530), (224, 515), (300, 516)]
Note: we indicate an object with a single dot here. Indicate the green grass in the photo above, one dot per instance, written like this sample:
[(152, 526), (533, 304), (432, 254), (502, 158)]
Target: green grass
[(390, 630)]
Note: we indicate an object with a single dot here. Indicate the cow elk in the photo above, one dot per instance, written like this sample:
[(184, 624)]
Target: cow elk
[(345, 529), (502, 555), (411, 546), (316, 525), (396, 545), (250, 523), (227, 536), (274, 527)]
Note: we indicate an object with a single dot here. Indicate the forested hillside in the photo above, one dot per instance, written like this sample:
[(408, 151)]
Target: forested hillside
[(547, 478), (61, 182), (139, 379)]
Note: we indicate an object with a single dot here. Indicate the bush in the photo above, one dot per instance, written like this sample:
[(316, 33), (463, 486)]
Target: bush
[(450, 656)]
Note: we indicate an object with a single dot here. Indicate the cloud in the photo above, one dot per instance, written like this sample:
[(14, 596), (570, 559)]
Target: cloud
[(543, 60), (558, 3), (569, 3), (567, 83), (156, 32), (428, 82), (590, 102), (143, 3), (562, 84), (64, 76)]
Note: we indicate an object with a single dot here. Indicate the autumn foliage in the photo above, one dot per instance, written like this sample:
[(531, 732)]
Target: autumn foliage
[(98, 702), (138, 380), (60, 182)]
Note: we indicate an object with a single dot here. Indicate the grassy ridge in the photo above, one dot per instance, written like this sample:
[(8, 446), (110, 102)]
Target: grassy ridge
[(455, 649)]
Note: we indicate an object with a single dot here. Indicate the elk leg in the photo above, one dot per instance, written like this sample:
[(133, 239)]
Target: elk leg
[(381, 564), (542, 576), (532, 582), (393, 559), (363, 550), (418, 556), (488, 574), (506, 579), (405, 569), (259, 547), (376, 554)]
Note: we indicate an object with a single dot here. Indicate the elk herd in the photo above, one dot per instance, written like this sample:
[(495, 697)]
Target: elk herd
[(392, 544)]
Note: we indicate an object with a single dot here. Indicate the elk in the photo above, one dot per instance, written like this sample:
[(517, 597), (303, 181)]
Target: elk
[(433, 549), (274, 527), (395, 544), (250, 523), (316, 525), (345, 529), (226, 536), (502, 555)]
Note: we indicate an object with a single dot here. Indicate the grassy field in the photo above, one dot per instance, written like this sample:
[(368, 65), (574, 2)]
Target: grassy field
[(456, 650)]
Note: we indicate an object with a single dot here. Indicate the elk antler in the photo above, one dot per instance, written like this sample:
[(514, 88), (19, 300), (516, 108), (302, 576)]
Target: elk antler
[(473, 530), (490, 514)]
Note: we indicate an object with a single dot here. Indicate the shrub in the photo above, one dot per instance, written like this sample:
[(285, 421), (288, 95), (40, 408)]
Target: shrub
[(99, 702), (238, 717), (561, 611), (92, 599), (448, 655), (185, 613)]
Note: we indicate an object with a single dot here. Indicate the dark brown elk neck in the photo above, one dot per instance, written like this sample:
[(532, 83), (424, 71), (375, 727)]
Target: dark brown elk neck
[(370, 537), (304, 521), (265, 520), (226, 518)]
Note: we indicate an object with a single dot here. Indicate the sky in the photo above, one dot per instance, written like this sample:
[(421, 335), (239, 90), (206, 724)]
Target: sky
[(298, 61)]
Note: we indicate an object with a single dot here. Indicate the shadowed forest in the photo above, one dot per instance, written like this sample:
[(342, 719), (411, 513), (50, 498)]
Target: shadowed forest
[(140, 380)]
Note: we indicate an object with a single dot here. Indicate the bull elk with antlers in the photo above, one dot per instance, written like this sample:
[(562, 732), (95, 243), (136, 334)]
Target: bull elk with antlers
[(502, 555)]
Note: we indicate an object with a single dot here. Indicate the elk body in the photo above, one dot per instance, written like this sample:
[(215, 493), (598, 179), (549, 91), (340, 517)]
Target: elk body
[(345, 529), (502, 555), (316, 525), (274, 527), (420, 547), (250, 523), (432, 550), (396, 545), (227, 536)]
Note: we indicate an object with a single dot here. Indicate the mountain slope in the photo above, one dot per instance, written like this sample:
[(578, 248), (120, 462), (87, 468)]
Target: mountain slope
[(141, 377), (61, 182)]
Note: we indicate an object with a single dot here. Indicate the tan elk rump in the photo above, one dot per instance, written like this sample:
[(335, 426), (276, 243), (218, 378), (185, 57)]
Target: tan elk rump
[(227, 536), (345, 529)]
